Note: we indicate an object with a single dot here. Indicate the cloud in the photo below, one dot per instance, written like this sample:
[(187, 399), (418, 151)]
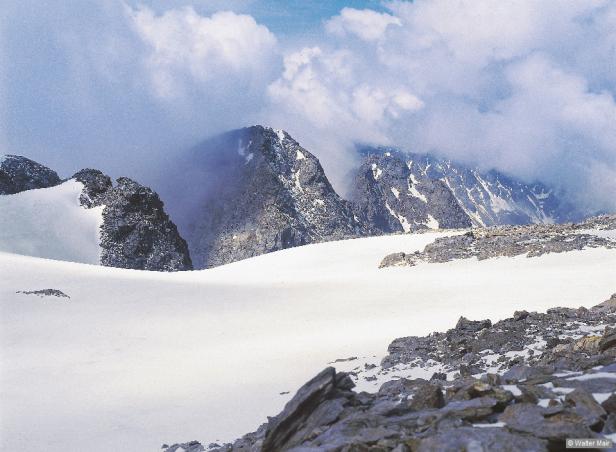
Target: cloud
[(125, 88), (366, 24), (522, 86), (186, 49), (518, 86)]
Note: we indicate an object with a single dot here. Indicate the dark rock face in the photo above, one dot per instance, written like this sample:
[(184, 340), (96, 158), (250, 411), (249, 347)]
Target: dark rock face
[(18, 174), (543, 399), (136, 232), (532, 240), (254, 191), (391, 197)]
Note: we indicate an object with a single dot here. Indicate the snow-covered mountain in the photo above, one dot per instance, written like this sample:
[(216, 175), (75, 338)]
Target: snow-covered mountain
[(252, 191), (486, 198), (86, 219)]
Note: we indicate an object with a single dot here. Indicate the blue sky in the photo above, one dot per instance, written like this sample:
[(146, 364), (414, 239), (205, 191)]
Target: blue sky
[(526, 87)]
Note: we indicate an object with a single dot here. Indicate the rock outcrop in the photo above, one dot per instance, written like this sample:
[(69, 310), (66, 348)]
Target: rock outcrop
[(136, 232), (529, 383), (19, 173), (530, 240)]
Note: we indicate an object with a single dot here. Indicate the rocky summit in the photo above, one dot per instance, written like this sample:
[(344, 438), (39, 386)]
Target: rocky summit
[(19, 173), (390, 197), (253, 191), (528, 383), (136, 232)]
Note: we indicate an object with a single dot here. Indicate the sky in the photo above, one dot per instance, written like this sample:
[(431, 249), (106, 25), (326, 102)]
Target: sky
[(522, 86)]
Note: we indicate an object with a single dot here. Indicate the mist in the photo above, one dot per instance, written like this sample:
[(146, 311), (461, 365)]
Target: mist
[(524, 87)]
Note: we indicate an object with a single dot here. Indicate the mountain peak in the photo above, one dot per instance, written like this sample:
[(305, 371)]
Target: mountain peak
[(18, 173)]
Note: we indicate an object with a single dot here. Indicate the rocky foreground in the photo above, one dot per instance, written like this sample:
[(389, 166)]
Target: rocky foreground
[(528, 383)]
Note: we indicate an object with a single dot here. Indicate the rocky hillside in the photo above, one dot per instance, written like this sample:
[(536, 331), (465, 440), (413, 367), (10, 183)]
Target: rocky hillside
[(486, 198), (136, 232), (529, 382), (391, 197), (253, 191), (18, 174)]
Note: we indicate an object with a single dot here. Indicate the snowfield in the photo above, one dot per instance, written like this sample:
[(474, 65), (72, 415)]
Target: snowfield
[(137, 359), (51, 223)]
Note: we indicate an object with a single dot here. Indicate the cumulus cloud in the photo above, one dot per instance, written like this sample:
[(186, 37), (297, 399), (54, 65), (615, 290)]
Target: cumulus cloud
[(185, 48), (366, 24)]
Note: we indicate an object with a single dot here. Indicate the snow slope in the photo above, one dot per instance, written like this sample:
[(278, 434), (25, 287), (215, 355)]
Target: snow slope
[(136, 359), (51, 223)]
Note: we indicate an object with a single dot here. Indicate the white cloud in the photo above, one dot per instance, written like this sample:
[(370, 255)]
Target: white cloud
[(366, 24), (225, 48)]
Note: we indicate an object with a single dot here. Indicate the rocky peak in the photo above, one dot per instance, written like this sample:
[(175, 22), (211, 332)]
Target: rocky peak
[(19, 173), (96, 185), (259, 191), (136, 231), (391, 197)]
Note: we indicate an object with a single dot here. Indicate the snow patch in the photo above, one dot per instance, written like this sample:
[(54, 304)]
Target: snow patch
[(376, 171), (51, 223), (281, 134), (396, 192), (300, 155), (432, 223), (406, 227)]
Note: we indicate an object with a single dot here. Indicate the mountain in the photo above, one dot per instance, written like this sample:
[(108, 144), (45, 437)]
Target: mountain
[(252, 191), (86, 219), (391, 197), (256, 190), (18, 174), (485, 198)]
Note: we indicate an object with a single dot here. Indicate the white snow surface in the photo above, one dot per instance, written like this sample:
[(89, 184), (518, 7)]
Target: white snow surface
[(51, 223), (137, 359)]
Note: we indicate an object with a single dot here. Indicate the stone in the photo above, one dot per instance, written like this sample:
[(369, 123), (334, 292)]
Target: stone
[(609, 405), (472, 325), (472, 410), (540, 422), (427, 396), (608, 340), (585, 405), (289, 427), (45, 293), (480, 440)]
